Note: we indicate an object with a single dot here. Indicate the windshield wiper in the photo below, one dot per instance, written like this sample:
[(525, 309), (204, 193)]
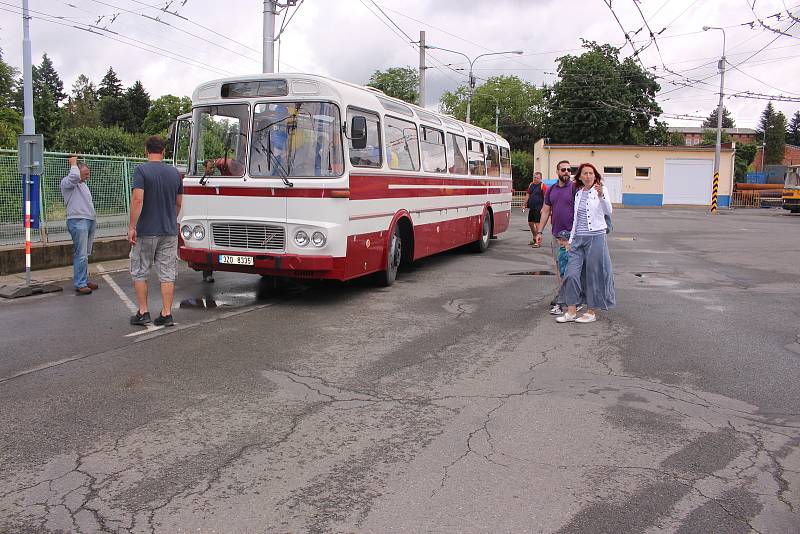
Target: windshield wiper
[(273, 160)]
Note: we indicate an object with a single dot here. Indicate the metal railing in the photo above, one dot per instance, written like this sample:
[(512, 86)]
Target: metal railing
[(110, 184), (745, 199), (517, 197)]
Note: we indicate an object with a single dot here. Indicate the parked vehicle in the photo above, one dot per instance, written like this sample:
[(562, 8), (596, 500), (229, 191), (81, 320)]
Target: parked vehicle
[(309, 177), (791, 189)]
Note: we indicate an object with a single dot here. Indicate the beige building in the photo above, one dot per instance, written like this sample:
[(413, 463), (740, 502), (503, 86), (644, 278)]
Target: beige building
[(646, 175)]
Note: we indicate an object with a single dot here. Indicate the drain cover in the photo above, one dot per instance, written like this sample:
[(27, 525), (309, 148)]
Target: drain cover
[(533, 273)]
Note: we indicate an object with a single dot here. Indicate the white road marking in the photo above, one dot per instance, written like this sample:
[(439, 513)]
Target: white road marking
[(133, 308)]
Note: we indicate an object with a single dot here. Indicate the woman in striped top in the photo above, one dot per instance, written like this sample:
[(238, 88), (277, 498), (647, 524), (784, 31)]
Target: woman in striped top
[(589, 276)]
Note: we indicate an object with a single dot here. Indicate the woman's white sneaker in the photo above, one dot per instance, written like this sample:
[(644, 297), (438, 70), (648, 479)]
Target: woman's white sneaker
[(567, 318), (586, 318)]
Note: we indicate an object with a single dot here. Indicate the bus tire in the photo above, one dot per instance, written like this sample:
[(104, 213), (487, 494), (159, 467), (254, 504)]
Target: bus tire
[(394, 257), (482, 245)]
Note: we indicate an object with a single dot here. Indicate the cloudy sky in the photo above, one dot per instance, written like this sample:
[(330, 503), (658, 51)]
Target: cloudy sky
[(350, 39)]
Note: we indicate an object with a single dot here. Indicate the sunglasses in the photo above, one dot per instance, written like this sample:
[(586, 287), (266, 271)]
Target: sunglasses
[(565, 169)]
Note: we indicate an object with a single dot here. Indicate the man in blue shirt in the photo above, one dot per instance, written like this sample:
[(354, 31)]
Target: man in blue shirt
[(153, 230)]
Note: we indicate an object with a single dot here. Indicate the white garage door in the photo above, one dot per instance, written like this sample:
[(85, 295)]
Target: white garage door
[(688, 181), (613, 183)]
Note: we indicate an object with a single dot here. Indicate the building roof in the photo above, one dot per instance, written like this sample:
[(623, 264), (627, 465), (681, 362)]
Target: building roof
[(701, 130), (726, 147)]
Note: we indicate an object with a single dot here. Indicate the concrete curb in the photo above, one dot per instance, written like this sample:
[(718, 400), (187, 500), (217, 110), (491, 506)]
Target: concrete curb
[(12, 260)]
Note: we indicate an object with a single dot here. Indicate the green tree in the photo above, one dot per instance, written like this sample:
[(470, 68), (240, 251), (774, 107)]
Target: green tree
[(710, 137), (83, 106), (676, 139), (163, 111), (745, 154), (115, 141), (48, 76), (138, 104), (46, 113), (114, 111), (521, 169), (773, 129), (10, 127), (7, 84), (727, 120), (399, 82), (793, 132), (522, 111), (110, 85), (599, 99)]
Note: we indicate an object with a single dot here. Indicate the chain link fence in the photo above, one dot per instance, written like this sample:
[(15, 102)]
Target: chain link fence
[(110, 184)]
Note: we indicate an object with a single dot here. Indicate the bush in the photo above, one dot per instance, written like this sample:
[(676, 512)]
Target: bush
[(745, 154), (112, 141), (522, 169)]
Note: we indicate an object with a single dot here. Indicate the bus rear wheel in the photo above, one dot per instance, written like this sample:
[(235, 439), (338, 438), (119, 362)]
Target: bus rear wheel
[(482, 244), (394, 257)]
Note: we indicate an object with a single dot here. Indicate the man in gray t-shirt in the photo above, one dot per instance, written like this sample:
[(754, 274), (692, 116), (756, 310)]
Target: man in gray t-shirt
[(153, 230)]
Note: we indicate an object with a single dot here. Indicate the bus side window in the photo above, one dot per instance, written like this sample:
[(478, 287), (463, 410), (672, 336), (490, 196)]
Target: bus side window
[(402, 147), (477, 161), (457, 154), (492, 160), (433, 151), (369, 156), (505, 162)]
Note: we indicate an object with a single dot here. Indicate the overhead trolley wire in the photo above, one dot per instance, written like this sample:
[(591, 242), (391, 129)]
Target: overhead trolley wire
[(118, 37)]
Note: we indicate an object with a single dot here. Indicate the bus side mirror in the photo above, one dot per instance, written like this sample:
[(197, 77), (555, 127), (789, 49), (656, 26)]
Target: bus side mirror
[(358, 133)]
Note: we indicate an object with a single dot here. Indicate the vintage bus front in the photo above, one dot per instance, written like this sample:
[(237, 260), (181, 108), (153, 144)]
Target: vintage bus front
[(265, 191)]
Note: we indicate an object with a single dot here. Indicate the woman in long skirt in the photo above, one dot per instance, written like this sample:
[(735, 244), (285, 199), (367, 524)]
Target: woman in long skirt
[(589, 276)]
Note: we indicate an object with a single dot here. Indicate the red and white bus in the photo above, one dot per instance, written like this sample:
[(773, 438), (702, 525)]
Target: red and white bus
[(303, 176)]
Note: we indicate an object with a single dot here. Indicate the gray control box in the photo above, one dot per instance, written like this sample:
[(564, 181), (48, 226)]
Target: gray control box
[(30, 149)]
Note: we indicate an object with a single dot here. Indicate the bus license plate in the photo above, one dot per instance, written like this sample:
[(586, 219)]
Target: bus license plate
[(236, 260)]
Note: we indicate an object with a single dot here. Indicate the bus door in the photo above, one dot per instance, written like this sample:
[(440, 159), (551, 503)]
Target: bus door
[(179, 140)]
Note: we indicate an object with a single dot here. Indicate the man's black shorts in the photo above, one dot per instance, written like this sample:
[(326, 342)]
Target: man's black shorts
[(534, 214)]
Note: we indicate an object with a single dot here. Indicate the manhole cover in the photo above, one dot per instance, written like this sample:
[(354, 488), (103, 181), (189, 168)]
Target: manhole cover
[(533, 273)]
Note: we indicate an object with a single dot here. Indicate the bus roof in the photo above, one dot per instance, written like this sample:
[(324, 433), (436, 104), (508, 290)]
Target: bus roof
[(311, 86)]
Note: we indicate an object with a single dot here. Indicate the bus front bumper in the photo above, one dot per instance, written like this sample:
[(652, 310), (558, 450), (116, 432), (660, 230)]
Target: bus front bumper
[(263, 263)]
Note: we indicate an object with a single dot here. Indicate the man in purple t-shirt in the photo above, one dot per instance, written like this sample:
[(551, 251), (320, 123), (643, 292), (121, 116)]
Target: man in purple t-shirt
[(559, 203)]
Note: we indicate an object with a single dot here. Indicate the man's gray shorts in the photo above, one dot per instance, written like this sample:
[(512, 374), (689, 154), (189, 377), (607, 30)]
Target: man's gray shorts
[(159, 250)]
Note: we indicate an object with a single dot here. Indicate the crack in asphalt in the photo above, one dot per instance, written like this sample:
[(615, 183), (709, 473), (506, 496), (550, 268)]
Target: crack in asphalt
[(777, 471)]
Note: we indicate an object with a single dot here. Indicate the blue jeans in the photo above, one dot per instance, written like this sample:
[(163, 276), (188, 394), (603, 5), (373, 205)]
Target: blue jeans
[(82, 232)]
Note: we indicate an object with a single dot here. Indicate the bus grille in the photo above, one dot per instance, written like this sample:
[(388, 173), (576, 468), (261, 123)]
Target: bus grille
[(249, 236)]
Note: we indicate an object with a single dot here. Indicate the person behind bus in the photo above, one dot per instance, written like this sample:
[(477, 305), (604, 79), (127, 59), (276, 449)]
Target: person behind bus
[(534, 200), (589, 275)]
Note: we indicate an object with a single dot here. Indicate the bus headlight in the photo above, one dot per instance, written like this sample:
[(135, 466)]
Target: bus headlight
[(186, 232), (301, 238), (318, 239), (198, 232)]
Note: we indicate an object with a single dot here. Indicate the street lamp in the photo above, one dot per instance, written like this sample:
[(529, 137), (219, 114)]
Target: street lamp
[(719, 119), (471, 63)]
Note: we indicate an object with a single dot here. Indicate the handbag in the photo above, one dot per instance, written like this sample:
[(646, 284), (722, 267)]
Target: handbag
[(609, 226)]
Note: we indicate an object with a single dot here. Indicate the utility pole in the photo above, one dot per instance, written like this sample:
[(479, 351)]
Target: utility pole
[(29, 159), (715, 184), (422, 68), (268, 61), (28, 122)]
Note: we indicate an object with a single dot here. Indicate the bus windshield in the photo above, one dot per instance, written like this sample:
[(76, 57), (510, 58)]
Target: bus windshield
[(221, 134), (296, 139)]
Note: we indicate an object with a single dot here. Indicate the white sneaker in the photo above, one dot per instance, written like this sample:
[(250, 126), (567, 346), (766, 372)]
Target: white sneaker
[(556, 310), (586, 318), (567, 318)]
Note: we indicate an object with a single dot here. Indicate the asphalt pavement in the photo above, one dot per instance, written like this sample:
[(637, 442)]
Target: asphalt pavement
[(449, 402)]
